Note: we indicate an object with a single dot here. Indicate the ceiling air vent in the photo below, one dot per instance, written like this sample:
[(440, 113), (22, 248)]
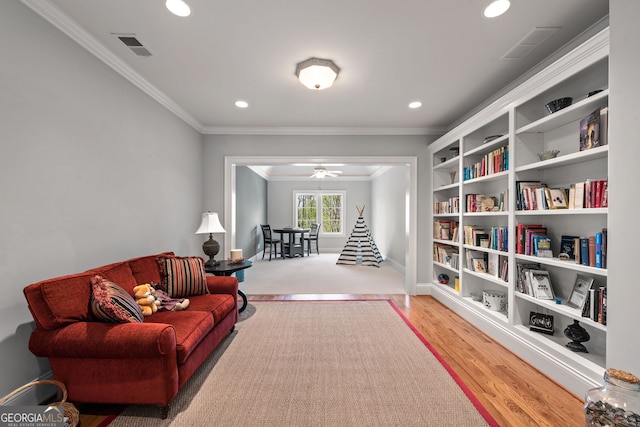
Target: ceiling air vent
[(529, 42), (134, 44)]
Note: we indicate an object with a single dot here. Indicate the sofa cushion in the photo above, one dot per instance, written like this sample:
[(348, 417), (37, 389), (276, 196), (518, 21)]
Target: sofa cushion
[(119, 273), (145, 269), (60, 301), (111, 303), (191, 328), (219, 305), (183, 276)]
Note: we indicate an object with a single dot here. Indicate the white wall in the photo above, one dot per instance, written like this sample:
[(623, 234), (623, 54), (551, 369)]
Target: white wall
[(92, 171), (389, 205), (623, 334)]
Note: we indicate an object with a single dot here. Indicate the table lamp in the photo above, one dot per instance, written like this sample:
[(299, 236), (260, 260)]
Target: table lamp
[(210, 224)]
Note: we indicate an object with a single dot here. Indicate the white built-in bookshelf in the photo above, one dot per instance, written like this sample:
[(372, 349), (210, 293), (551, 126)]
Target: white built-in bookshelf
[(508, 134)]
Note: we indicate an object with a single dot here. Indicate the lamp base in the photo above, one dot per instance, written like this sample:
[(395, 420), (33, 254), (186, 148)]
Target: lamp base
[(211, 249)]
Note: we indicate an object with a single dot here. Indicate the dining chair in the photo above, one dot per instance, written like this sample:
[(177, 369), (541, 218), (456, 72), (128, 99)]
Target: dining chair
[(313, 236), (269, 241)]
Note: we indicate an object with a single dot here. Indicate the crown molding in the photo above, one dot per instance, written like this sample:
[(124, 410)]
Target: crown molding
[(225, 130), (68, 26)]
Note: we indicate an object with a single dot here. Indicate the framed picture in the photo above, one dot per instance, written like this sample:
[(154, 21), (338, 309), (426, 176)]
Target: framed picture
[(557, 198), (539, 322), (580, 291)]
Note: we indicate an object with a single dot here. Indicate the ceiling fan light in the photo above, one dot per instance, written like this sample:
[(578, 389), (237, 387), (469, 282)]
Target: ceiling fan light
[(497, 8), (178, 7), (316, 73)]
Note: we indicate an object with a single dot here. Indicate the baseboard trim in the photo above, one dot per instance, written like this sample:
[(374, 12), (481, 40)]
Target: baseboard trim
[(35, 395)]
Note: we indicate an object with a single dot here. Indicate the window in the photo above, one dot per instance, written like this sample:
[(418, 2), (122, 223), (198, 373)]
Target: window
[(325, 208)]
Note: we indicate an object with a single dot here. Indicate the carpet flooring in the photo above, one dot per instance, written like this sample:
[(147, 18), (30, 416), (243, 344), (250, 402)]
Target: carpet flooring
[(319, 274), (319, 363)]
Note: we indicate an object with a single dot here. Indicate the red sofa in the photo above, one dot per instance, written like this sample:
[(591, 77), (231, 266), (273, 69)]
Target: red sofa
[(126, 363)]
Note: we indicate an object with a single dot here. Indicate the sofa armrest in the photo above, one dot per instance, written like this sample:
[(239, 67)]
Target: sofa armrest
[(222, 285), (102, 340)]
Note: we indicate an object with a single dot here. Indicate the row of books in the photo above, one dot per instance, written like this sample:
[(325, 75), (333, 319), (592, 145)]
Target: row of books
[(595, 307), (482, 203), (532, 239), (493, 264), (496, 238), (592, 193), (533, 281), (492, 162), (445, 229), (445, 254), (535, 195), (589, 250), (452, 205)]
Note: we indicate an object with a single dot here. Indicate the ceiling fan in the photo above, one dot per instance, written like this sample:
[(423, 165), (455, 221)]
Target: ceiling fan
[(321, 172)]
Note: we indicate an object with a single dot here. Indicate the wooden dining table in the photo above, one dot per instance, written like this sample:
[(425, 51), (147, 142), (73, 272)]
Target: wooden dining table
[(291, 246)]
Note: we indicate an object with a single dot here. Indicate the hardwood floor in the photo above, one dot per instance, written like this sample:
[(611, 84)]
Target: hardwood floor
[(512, 391)]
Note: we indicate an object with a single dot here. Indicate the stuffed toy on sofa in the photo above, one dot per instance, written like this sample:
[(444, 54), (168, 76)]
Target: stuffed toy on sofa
[(144, 295), (166, 303)]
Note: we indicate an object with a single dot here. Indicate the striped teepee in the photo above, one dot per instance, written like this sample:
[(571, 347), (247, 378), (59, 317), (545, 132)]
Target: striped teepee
[(360, 243)]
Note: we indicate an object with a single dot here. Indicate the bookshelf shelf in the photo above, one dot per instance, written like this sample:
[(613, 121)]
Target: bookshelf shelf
[(445, 266), (446, 242), (526, 129), (568, 265), (588, 211), (492, 177), (563, 309)]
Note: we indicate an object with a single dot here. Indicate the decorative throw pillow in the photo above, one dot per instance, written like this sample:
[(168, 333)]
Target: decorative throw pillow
[(183, 276), (111, 303)]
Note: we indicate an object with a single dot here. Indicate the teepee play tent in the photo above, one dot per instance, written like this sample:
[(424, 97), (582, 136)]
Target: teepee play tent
[(360, 244)]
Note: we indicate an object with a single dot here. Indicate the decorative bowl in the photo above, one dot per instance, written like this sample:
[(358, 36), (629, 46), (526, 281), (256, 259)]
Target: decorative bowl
[(494, 300), (558, 104), (443, 278), (491, 138), (549, 154), (593, 92)]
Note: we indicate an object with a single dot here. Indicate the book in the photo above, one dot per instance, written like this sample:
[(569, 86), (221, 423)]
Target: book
[(577, 249), (590, 131), (523, 284), (604, 248), (520, 194), (592, 250), (598, 250), (579, 197), (572, 196), (567, 248), (584, 250), (604, 126), (542, 246), (493, 267), (541, 284)]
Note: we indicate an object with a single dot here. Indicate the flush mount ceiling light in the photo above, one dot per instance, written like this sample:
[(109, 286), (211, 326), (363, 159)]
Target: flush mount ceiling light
[(415, 104), (316, 73), (178, 7), (497, 8), (242, 104)]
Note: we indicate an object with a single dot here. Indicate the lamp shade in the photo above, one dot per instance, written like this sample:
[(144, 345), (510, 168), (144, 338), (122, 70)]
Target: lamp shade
[(316, 73), (210, 224)]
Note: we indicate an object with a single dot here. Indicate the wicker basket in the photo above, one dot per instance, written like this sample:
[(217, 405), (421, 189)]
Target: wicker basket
[(70, 412)]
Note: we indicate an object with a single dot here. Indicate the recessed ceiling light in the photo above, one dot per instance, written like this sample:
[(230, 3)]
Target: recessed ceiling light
[(415, 104), (178, 7), (242, 104), (497, 8)]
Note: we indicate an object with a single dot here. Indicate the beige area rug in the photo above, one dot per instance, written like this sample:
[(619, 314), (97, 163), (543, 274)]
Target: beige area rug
[(319, 274), (319, 363)]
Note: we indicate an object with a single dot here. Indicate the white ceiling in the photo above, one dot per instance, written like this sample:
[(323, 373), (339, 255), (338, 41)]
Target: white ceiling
[(445, 54)]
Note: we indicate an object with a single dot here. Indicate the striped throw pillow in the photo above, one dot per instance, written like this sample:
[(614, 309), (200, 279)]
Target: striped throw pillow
[(183, 276), (111, 303)]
